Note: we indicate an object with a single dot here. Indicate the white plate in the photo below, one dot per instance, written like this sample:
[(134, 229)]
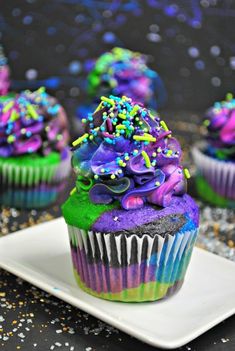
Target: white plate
[(41, 255)]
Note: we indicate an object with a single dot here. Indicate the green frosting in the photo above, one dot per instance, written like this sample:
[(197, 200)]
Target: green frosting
[(29, 169), (6, 97), (206, 192), (80, 212), (32, 160)]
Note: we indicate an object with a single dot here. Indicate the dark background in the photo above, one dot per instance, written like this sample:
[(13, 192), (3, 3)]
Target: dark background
[(190, 43), (52, 42)]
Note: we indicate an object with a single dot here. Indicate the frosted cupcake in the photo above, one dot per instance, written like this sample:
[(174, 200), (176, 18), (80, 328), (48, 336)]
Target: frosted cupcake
[(34, 156), (131, 224), (215, 157), (124, 72)]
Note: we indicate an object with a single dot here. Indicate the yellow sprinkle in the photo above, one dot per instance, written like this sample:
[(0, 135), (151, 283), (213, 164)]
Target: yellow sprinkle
[(134, 110), (99, 107), (32, 112), (122, 116), (73, 191), (157, 183), (14, 116), (41, 90), (164, 126), (154, 154), (146, 159), (91, 137), (186, 173), (112, 176), (80, 140), (229, 96), (121, 126), (109, 101), (146, 137), (8, 106)]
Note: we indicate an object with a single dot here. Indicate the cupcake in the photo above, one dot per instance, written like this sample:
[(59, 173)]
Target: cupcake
[(4, 74), (215, 156), (34, 156), (124, 72), (131, 224)]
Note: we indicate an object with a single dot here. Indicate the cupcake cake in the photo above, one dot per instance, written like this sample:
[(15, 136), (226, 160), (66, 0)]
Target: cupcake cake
[(123, 72), (34, 156), (4, 74), (131, 224), (215, 156)]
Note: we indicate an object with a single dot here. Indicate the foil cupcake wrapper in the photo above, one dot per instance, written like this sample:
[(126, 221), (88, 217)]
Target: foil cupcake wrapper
[(130, 268), (32, 187), (219, 174)]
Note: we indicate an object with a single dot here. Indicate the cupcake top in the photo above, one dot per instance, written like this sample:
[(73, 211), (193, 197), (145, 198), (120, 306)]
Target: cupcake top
[(31, 122), (122, 72), (129, 156), (220, 124), (4, 73)]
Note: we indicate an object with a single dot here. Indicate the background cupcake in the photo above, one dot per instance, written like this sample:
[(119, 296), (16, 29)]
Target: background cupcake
[(124, 72), (215, 157), (131, 224), (34, 157)]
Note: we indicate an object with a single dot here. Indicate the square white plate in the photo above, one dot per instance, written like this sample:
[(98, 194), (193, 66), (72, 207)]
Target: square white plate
[(41, 255)]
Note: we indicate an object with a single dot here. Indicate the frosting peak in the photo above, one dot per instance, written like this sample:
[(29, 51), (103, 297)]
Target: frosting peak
[(127, 154), (31, 122)]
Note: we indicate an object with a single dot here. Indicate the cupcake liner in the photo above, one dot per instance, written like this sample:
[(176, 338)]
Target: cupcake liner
[(32, 186), (130, 268), (220, 175)]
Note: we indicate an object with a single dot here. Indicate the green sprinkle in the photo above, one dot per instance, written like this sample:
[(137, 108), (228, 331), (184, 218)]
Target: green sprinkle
[(164, 126), (134, 110), (84, 120), (206, 122), (11, 139), (146, 159), (186, 173), (229, 96), (80, 140)]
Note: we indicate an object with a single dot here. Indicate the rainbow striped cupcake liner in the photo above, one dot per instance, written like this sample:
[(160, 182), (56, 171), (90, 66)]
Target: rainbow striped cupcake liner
[(130, 268), (32, 186), (220, 175)]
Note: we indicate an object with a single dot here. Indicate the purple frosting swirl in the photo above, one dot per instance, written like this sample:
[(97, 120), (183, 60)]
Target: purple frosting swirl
[(4, 73), (127, 154), (31, 122), (220, 123)]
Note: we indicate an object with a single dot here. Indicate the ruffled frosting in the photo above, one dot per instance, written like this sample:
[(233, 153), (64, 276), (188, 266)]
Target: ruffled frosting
[(4, 73), (129, 155), (31, 122), (220, 123), (122, 72)]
